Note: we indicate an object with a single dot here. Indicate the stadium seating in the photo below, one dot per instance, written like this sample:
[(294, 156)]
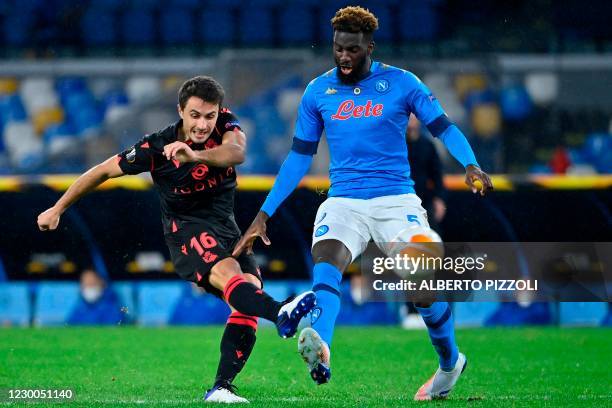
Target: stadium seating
[(54, 302), (98, 28), (176, 303), (582, 313), (157, 301), (215, 26), (142, 90), (419, 22), (177, 27), (198, 308), (16, 29), (296, 24), (125, 294), (256, 26), (137, 27), (472, 314), (15, 308)]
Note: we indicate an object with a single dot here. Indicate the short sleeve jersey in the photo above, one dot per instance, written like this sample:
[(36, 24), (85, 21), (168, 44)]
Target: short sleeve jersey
[(188, 192)]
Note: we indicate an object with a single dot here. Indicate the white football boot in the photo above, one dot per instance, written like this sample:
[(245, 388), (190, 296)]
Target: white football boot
[(224, 395), (315, 352), (442, 382)]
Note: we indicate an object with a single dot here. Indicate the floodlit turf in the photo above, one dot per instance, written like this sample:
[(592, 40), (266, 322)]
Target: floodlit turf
[(381, 367)]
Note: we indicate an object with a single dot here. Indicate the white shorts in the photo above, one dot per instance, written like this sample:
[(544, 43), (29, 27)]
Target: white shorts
[(355, 222)]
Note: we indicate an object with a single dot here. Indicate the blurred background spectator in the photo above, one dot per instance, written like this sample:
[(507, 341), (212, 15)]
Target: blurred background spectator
[(98, 304)]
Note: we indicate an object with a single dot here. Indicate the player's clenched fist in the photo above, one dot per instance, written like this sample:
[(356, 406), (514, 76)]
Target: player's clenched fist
[(179, 151), (48, 220)]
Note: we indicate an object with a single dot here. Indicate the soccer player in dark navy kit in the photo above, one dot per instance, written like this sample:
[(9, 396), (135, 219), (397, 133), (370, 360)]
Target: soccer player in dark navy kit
[(192, 165)]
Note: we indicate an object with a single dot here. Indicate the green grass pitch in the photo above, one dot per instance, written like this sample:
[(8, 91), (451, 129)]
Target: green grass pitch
[(376, 366)]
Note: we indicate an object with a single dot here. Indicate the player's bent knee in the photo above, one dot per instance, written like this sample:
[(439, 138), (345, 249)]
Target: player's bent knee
[(332, 252), (252, 279), (223, 271)]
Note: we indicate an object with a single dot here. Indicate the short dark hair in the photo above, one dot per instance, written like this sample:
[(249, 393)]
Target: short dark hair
[(355, 19), (204, 87)]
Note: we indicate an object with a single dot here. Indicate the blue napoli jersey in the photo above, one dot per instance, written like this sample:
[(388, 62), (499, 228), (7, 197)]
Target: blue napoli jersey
[(365, 125)]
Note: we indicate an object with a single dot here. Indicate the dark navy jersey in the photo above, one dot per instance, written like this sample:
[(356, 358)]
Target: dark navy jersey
[(189, 192)]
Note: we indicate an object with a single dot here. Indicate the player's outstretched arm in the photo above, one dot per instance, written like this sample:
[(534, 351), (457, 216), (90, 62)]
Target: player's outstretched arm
[(458, 146), (49, 219), (231, 152), (294, 168)]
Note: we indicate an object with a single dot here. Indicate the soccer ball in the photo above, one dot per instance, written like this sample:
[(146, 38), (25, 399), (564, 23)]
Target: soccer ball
[(419, 244)]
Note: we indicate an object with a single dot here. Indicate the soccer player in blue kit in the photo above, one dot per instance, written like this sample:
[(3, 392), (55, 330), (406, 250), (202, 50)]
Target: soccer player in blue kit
[(364, 106)]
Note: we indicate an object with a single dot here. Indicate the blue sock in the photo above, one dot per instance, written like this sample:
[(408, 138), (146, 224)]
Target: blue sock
[(326, 284), (439, 321)]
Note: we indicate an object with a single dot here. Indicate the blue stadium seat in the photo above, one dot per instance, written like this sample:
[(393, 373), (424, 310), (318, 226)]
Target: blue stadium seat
[(125, 293), (87, 119), (199, 308), (15, 306), (386, 29), (54, 302), (514, 314), (326, 34), (177, 27), (582, 313), (109, 5), (515, 102), (473, 314), (474, 98), (296, 24), (75, 100), (17, 29), (145, 4), (115, 97), (417, 23), (185, 4), (157, 302), (216, 26), (597, 150), (98, 28), (57, 131), (67, 85), (256, 26), (138, 27), (11, 109)]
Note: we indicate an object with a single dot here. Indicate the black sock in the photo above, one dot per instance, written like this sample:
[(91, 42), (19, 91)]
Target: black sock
[(236, 345), (248, 299)]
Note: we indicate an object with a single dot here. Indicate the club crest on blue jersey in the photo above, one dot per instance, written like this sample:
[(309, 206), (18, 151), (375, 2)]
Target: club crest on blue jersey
[(322, 230), (382, 86), (315, 314)]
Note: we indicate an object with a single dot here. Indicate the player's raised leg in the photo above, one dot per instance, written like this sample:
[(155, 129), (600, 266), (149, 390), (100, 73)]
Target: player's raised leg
[(253, 301), (439, 320)]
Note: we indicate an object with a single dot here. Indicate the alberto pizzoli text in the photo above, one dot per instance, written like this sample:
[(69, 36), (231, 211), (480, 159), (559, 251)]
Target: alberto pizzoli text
[(458, 285)]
